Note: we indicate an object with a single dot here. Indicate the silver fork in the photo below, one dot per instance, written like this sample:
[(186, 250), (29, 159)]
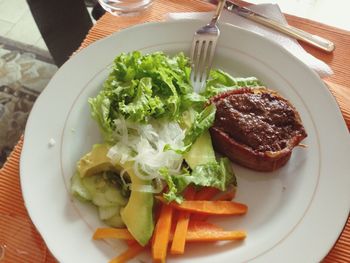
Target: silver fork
[(203, 49)]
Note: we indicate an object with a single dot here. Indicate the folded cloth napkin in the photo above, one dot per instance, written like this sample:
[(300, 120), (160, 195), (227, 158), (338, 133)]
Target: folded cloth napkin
[(272, 11)]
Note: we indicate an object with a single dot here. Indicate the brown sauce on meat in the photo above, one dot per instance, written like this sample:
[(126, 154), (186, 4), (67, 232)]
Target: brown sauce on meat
[(262, 121)]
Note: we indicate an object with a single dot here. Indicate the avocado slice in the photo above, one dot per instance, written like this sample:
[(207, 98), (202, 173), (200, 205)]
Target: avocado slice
[(201, 151), (96, 161), (138, 213)]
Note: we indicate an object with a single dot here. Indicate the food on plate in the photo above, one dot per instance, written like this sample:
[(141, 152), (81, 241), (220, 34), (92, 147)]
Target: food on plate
[(209, 207), (96, 161), (256, 128), (157, 157)]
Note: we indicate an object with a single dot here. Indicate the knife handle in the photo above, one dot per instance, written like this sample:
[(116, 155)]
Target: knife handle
[(299, 34)]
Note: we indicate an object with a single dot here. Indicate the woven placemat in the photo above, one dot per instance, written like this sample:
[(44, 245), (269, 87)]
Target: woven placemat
[(12, 206)]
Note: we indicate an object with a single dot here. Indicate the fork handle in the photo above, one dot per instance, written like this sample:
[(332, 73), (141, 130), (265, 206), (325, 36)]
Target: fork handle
[(221, 4)]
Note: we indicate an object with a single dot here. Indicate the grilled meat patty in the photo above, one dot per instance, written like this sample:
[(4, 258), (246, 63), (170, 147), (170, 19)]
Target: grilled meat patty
[(256, 127)]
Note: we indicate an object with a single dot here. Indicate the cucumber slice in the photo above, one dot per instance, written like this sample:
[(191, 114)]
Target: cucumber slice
[(99, 199), (91, 183), (113, 194), (102, 192), (106, 196), (115, 221), (107, 212), (78, 189)]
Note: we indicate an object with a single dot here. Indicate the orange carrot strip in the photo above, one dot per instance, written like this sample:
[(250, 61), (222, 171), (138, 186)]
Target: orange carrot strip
[(222, 196), (128, 254), (200, 231), (120, 233), (214, 235), (206, 193), (161, 234), (124, 234), (195, 230), (179, 239), (209, 207), (196, 226)]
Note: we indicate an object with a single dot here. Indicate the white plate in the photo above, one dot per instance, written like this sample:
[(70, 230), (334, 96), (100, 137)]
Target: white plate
[(295, 214)]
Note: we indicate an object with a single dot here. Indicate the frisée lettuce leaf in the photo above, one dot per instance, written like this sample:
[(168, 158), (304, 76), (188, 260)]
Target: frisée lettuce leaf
[(215, 174), (220, 81), (142, 87), (201, 122)]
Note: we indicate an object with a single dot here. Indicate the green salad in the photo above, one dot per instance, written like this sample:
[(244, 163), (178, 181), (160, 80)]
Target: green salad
[(156, 139)]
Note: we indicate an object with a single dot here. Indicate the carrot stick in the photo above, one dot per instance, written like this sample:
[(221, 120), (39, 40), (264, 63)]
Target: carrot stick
[(161, 234), (206, 193), (222, 196), (200, 231), (196, 230), (119, 233), (209, 207), (179, 239), (197, 226), (212, 235), (128, 254)]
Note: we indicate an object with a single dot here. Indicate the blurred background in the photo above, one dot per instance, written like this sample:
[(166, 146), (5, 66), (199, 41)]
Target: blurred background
[(36, 38)]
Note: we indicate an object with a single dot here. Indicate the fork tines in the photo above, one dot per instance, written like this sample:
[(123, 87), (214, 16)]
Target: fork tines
[(203, 49), (202, 54)]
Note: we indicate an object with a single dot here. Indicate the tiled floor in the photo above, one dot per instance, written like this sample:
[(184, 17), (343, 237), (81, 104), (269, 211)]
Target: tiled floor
[(17, 23)]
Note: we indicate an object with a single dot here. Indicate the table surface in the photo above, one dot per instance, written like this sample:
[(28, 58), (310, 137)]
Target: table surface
[(323, 11)]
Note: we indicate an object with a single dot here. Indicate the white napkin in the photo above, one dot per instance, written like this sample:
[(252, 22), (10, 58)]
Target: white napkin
[(272, 11)]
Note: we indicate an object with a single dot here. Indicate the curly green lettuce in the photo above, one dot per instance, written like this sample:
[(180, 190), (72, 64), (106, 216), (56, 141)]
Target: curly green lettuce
[(141, 87), (215, 174)]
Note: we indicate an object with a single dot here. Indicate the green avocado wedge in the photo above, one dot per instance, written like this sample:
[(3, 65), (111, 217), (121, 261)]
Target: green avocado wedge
[(96, 161), (201, 152), (138, 213)]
